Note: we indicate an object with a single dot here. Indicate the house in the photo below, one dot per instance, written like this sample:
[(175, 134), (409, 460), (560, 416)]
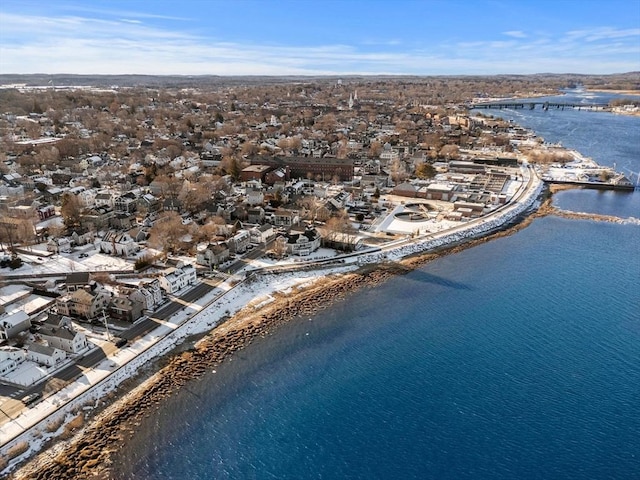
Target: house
[(123, 221), (12, 324), (176, 278), (44, 355), (53, 194), (149, 294), (127, 203), (86, 198), (65, 338), (81, 238), (262, 234), (125, 308), (85, 303), (115, 243), (139, 234), (55, 320), (172, 205), (255, 196), (303, 243), (149, 203), (46, 211), (98, 217), (10, 358), (213, 255), (105, 199), (338, 201), (57, 245), (255, 215), (380, 180), (285, 218), (239, 242), (77, 280)]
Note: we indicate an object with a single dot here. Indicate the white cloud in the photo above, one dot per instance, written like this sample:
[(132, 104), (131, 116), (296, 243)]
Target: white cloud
[(76, 44), (605, 33), (515, 34)]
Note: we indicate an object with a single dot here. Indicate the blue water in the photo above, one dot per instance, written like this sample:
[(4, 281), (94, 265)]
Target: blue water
[(516, 359), (610, 139)]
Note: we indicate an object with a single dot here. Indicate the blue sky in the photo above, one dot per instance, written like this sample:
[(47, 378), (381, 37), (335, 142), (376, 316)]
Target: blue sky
[(310, 37)]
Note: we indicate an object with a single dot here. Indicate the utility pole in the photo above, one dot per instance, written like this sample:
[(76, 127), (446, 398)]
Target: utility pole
[(106, 324)]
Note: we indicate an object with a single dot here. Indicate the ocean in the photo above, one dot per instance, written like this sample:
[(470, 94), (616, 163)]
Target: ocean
[(515, 359)]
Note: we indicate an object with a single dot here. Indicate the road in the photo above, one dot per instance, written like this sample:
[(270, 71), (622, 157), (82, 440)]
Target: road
[(12, 407), (147, 325)]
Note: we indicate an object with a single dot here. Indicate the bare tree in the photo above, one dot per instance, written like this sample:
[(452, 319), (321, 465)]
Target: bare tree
[(70, 210), (166, 233)]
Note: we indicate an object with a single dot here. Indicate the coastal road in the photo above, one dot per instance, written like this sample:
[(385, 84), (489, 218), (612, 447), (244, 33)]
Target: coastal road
[(147, 325), (12, 407)]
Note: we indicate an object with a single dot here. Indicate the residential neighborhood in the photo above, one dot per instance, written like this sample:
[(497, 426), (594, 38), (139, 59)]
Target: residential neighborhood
[(120, 207), (113, 201)]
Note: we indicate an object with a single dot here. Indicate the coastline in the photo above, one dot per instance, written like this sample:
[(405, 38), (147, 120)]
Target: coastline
[(89, 452), (623, 92)]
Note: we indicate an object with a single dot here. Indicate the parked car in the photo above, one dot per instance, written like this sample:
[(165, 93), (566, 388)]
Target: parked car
[(31, 398)]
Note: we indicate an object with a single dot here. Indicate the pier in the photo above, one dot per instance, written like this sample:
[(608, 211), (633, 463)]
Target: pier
[(514, 104)]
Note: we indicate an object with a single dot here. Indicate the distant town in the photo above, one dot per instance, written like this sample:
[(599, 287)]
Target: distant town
[(122, 203)]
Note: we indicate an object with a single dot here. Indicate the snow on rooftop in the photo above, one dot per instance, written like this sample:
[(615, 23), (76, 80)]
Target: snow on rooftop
[(11, 293)]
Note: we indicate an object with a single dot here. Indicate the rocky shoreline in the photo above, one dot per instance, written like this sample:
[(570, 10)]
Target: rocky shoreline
[(89, 454)]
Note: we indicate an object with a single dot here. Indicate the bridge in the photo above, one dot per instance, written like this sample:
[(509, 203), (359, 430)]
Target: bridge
[(514, 104)]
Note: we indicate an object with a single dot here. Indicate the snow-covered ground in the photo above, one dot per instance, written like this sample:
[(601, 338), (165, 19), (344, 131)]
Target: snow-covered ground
[(83, 259)]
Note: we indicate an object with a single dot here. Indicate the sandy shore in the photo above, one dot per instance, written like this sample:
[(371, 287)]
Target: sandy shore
[(89, 453)]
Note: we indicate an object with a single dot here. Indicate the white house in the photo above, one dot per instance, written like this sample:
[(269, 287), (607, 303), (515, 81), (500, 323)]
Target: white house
[(10, 358), (262, 234), (177, 278), (64, 338), (57, 245), (44, 355), (105, 199), (87, 198), (118, 244), (239, 242), (303, 243), (285, 218), (149, 294), (213, 255)]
